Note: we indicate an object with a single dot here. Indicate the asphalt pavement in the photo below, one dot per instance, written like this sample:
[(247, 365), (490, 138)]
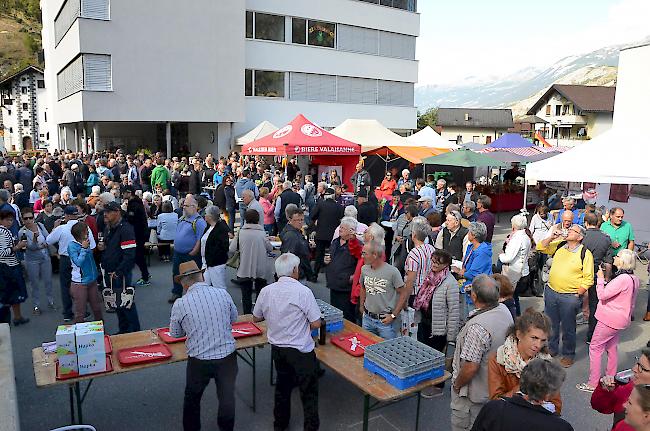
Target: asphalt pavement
[(153, 398)]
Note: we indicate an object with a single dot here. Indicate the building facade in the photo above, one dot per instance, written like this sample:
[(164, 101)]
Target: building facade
[(574, 113), (23, 110), (159, 76), (481, 126)]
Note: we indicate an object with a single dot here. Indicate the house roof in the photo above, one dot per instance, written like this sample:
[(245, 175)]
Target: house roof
[(530, 119), (492, 118), (589, 98), (21, 72)]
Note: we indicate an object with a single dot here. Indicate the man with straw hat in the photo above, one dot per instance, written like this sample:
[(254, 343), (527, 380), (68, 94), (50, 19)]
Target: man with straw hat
[(205, 315)]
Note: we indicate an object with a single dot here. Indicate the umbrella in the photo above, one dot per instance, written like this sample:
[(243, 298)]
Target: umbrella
[(473, 146), (511, 140), (463, 158)]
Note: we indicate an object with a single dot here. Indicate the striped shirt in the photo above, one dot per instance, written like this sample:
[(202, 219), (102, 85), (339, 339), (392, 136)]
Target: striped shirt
[(205, 314), (7, 255), (419, 261)]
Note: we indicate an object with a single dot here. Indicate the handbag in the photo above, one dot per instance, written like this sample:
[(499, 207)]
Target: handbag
[(233, 261)]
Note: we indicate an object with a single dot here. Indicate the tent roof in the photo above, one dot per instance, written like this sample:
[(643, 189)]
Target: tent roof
[(412, 154), (463, 158), (511, 140), (370, 134), (304, 138), (261, 130), (618, 156), (428, 137)]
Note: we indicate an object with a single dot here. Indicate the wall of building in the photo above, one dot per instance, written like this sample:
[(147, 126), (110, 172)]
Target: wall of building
[(478, 135), (632, 86), (599, 122)]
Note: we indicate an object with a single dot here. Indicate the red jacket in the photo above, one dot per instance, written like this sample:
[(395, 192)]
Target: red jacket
[(609, 402)]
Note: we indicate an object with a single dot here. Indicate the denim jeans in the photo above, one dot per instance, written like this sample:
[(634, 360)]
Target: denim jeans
[(375, 326), (562, 308), (40, 272)]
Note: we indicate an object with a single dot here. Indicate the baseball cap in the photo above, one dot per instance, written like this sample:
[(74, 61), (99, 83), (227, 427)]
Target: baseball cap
[(71, 210), (112, 206), (330, 191), (74, 166)]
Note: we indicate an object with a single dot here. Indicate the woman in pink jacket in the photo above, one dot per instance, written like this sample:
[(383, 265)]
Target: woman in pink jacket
[(614, 312), (269, 211)]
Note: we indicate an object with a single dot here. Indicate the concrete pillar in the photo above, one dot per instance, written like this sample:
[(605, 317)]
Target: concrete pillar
[(95, 136), (168, 139), (84, 138), (76, 139), (224, 139)]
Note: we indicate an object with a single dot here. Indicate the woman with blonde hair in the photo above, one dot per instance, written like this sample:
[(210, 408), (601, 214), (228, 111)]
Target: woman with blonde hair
[(515, 256), (614, 313)]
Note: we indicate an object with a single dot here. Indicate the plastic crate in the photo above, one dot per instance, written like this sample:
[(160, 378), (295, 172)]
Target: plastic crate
[(328, 312), (399, 382), (329, 327), (404, 356)]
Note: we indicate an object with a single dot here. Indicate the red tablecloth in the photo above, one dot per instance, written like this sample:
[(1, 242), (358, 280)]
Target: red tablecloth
[(506, 202)]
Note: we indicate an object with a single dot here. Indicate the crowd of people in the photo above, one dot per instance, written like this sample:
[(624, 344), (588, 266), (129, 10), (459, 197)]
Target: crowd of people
[(407, 257)]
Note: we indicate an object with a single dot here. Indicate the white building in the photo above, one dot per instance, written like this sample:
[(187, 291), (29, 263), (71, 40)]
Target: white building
[(23, 110), (478, 125), (574, 112), (159, 75)]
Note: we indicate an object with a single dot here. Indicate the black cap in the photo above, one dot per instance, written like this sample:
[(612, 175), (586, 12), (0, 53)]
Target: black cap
[(330, 191), (129, 188), (112, 206), (71, 210)]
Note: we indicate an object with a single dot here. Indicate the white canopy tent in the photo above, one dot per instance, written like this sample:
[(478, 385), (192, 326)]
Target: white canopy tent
[(428, 137), (618, 156), (261, 130), (370, 134)]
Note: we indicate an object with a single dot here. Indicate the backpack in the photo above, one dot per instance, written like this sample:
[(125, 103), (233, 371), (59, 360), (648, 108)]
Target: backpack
[(193, 222)]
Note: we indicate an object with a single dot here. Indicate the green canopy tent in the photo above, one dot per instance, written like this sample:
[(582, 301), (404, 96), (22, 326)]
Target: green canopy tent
[(463, 159)]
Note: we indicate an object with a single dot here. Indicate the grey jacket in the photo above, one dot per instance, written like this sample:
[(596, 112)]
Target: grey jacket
[(253, 246), (445, 309)]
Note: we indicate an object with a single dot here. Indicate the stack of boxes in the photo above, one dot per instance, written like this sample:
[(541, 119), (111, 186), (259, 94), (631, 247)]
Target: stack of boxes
[(404, 362), (333, 317), (80, 348)]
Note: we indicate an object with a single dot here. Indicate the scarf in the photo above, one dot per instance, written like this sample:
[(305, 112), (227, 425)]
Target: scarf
[(429, 286), (508, 356)]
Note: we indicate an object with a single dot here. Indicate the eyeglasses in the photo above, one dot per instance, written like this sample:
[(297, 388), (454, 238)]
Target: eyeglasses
[(28, 218), (641, 367), (188, 206)]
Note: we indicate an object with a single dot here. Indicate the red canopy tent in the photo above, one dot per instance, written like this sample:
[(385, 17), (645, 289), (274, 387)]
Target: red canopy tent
[(301, 137)]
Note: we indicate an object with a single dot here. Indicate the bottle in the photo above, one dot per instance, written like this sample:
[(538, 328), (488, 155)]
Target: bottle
[(322, 332), (623, 377)]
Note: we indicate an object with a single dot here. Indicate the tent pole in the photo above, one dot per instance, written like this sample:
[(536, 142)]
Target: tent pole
[(525, 194)]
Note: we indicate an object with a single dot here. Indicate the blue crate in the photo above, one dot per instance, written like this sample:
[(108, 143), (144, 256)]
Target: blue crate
[(331, 327), (406, 383)]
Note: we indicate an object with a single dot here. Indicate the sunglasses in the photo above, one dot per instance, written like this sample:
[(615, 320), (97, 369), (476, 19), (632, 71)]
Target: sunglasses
[(641, 367)]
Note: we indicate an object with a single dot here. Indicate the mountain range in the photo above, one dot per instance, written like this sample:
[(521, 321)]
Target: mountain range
[(522, 88)]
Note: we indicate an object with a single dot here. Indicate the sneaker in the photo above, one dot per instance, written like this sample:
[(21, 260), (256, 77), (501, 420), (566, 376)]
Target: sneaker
[(566, 362), (431, 392), (21, 321), (51, 306), (173, 298), (143, 282), (36, 311), (585, 387)]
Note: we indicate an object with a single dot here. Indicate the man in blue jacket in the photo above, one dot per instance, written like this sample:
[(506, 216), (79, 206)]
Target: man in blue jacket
[(244, 183)]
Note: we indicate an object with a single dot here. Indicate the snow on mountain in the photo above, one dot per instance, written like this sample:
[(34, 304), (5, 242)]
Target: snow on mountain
[(589, 69)]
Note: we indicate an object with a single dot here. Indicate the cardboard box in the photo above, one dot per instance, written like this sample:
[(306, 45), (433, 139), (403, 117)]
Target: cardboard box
[(90, 339), (91, 363), (65, 340), (68, 364)]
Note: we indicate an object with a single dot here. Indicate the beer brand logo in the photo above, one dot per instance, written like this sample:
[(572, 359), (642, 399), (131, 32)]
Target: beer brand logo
[(283, 132), (311, 130)]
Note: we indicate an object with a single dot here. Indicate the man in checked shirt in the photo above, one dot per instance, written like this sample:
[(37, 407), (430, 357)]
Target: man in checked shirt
[(205, 315)]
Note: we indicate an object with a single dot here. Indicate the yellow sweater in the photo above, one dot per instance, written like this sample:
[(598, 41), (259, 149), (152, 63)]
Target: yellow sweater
[(568, 273)]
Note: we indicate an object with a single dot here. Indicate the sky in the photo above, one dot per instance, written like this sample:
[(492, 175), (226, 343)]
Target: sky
[(461, 39)]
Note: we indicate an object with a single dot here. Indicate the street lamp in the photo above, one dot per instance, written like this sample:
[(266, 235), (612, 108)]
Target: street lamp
[(557, 126)]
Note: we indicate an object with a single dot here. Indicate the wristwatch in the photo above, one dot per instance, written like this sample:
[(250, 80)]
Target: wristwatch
[(393, 316)]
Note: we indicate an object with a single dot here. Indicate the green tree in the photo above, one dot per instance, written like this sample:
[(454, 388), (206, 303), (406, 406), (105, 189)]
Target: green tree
[(427, 118)]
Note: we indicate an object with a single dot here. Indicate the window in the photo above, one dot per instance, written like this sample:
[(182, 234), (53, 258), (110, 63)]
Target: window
[(299, 30), (396, 45), (395, 93), (358, 39), (73, 9), (269, 84), (91, 72), (25, 106), (312, 87), (45, 116), (23, 90), (269, 27), (321, 34), (548, 110), (47, 136), (558, 109), (356, 90), (249, 24), (248, 89), (26, 123), (40, 83), (8, 111)]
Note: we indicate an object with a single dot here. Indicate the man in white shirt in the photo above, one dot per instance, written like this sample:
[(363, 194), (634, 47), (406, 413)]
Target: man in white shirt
[(291, 312), (62, 236)]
